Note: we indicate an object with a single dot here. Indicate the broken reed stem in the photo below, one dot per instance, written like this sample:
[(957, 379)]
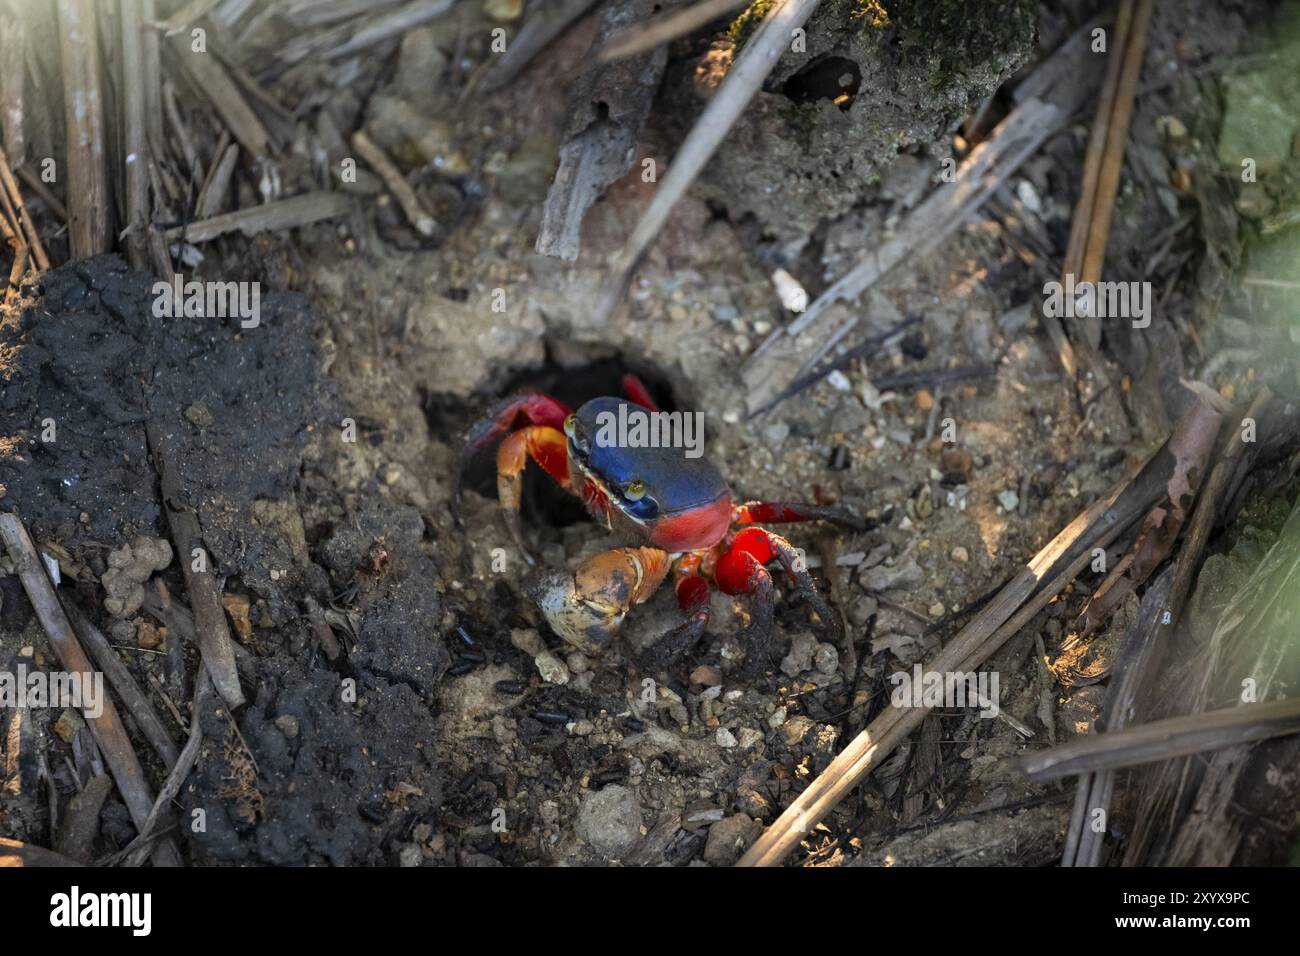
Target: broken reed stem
[(22, 220), (742, 82), (1166, 739), (119, 676), (215, 643), (133, 121), (107, 729), (272, 217), (83, 111), (377, 160)]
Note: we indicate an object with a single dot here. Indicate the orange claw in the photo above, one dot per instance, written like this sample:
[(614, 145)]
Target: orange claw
[(587, 607)]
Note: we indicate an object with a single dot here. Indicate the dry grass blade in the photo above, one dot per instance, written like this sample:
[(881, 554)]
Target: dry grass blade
[(535, 35), (285, 214), (13, 41), (134, 109), (665, 28), (742, 82), (378, 160)]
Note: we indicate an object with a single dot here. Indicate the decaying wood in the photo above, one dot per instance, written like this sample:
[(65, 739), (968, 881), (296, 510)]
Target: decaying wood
[(1192, 444), (88, 183), (272, 217), (607, 108), (738, 88), (378, 160), (212, 195), (215, 642), (107, 729), (119, 678), (1166, 739), (543, 26), (791, 351), (1014, 606)]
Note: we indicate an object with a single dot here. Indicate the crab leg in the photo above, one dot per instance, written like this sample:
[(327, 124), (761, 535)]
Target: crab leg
[(788, 512), (548, 448), (742, 570), (693, 599), (536, 408)]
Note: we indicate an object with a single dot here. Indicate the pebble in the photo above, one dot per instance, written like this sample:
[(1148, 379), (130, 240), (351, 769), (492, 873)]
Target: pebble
[(776, 434), (1009, 500), (288, 725), (861, 610), (726, 739), (839, 381), (578, 663), (551, 668), (706, 676), (777, 720), (410, 855), (802, 648), (730, 838), (749, 737), (960, 554), (528, 641), (826, 660), (609, 820)]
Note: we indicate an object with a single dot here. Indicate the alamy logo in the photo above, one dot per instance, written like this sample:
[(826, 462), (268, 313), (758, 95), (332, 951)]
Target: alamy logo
[(923, 688), (134, 910), (60, 689), (208, 300), (1101, 300), (636, 427)]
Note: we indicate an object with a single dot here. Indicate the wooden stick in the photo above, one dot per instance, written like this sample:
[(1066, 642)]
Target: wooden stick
[(83, 110), (743, 81), (133, 698), (1166, 739), (215, 643), (272, 217), (377, 160), (107, 728)]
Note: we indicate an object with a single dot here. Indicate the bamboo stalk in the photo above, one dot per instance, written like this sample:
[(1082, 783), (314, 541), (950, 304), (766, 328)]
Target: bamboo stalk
[(83, 111)]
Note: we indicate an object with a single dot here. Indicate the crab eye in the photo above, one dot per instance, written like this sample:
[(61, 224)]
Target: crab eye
[(570, 424), (635, 490)]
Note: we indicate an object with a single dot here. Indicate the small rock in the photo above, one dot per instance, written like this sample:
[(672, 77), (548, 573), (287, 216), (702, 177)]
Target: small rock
[(726, 739), (861, 610), (577, 663), (776, 434), (288, 725), (528, 641), (802, 648), (730, 838), (777, 720), (410, 855), (749, 737), (706, 676), (904, 574), (839, 381), (826, 660), (551, 668), (609, 820), (960, 554), (199, 415), (1009, 500)]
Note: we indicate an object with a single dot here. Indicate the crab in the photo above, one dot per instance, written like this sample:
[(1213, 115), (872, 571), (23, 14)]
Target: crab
[(677, 511)]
